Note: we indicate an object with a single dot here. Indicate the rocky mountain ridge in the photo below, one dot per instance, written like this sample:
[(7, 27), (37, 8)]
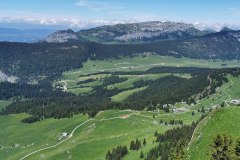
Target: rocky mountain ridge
[(62, 36)]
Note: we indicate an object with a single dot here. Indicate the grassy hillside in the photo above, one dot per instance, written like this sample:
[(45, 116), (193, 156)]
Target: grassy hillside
[(107, 130), (92, 138), (29, 137), (90, 141), (223, 121)]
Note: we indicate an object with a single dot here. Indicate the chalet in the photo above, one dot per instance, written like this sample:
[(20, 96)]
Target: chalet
[(177, 110), (64, 135), (235, 101)]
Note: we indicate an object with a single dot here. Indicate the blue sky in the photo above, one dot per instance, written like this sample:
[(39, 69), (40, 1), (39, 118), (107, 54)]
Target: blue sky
[(80, 14)]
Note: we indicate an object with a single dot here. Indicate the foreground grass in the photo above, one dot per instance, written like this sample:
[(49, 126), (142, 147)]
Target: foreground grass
[(91, 141), (30, 137), (223, 121)]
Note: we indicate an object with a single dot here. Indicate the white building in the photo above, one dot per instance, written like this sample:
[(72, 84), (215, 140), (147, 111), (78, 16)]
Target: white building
[(235, 101)]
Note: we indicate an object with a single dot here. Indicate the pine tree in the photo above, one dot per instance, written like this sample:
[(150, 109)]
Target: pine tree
[(108, 155), (222, 104), (193, 113), (141, 155), (161, 121), (137, 144), (144, 142), (132, 145), (222, 148), (177, 153), (237, 149)]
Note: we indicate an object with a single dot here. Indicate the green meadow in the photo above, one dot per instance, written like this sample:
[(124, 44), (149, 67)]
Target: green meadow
[(92, 138), (109, 129), (139, 63)]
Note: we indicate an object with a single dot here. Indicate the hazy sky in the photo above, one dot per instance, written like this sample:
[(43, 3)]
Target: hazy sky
[(80, 14)]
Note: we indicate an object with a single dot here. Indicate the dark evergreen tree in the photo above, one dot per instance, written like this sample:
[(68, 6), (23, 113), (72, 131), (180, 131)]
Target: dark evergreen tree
[(117, 153), (237, 149), (222, 148), (222, 104), (177, 152), (144, 142), (141, 155), (193, 113), (132, 145)]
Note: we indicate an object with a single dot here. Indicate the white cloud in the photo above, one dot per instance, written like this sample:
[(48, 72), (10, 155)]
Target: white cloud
[(204, 26), (216, 26), (111, 8), (66, 22), (77, 23)]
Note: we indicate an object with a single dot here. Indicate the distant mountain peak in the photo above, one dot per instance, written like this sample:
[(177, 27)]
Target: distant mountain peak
[(225, 29), (141, 32), (62, 36)]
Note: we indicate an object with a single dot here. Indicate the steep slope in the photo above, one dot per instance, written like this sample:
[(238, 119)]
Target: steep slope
[(221, 122), (63, 36), (141, 32)]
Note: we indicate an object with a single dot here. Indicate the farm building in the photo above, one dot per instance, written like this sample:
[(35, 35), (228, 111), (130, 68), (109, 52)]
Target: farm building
[(235, 101)]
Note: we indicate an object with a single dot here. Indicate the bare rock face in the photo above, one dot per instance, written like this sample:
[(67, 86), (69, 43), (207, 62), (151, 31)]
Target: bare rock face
[(5, 77), (62, 36), (142, 32), (153, 29)]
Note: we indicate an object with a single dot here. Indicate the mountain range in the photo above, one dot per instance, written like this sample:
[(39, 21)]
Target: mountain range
[(65, 50), (142, 32), (145, 32)]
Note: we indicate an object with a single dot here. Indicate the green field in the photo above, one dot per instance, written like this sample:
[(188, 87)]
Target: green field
[(94, 138), (128, 64), (108, 129), (143, 63), (123, 95), (29, 137)]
